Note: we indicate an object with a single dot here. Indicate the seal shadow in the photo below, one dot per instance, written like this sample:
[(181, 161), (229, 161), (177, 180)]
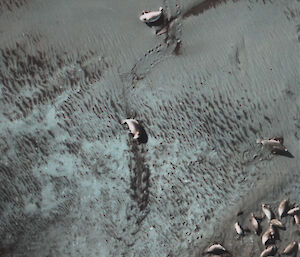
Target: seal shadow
[(282, 153), (158, 23), (139, 183), (143, 137)]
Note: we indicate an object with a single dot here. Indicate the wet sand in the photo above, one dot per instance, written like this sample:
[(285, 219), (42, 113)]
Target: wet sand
[(74, 183)]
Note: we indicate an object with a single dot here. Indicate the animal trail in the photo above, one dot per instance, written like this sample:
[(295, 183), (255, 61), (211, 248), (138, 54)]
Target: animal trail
[(238, 58), (171, 45), (139, 185)]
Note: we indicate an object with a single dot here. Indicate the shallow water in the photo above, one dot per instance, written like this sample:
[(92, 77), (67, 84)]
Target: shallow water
[(73, 182)]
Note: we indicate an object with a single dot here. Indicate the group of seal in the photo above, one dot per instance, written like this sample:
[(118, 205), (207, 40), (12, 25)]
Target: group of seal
[(271, 235), (274, 144)]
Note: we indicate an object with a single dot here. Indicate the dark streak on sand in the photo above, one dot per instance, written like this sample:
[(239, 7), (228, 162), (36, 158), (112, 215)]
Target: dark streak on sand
[(171, 27), (139, 180), (203, 6), (63, 104)]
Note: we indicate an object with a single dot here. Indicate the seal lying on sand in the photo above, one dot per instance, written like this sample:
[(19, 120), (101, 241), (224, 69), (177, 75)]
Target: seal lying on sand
[(255, 225), (133, 126), (275, 144), (294, 211), (137, 130), (267, 211), (268, 238), (283, 208), (297, 222), (270, 251), (276, 223), (238, 228), (152, 18), (215, 249), (290, 248)]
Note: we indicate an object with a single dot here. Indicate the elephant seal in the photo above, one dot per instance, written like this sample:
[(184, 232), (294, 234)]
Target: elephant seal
[(294, 211), (271, 250), (133, 126), (255, 225), (238, 228), (274, 142), (297, 220), (290, 248), (267, 211), (152, 18), (275, 145), (215, 249), (137, 130), (276, 223), (283, 208), (269, 237)]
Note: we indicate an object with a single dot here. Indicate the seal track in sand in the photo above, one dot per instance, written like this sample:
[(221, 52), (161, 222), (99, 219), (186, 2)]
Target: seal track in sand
[(70, 176), (160, 52)]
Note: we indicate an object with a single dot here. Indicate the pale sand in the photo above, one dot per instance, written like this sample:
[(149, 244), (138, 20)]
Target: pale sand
[(72, 181)]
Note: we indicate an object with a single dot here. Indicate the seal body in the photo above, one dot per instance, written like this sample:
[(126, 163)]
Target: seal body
[(269, 236), (215, 249), (267, 239), (267, 211), (290, 248), (273, 232), (297, 220), (133, 126), (294, 211), (274, 142), (239, 230), (275, 145), (137, 130), (277, 223), (151, 17), (282, 208), (271, 250), (255, 224)]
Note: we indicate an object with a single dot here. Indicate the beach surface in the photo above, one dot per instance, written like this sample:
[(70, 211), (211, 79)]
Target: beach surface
[(73, 182)]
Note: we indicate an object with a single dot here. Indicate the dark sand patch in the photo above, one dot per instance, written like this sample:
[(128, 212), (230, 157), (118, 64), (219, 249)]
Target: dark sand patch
[(72, 182)]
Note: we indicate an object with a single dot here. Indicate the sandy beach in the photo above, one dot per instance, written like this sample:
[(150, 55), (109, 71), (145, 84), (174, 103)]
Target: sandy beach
[(220, 75)]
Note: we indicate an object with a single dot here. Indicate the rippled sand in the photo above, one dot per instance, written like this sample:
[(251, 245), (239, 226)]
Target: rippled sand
[(73, 182)]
